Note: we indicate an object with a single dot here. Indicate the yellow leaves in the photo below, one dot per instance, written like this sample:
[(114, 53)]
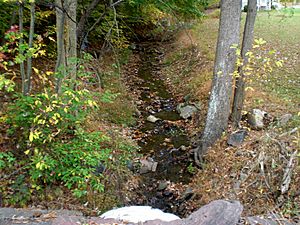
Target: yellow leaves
[(55, 119), (48, 109), (35, 134), (279, 63), (41, 165), (259, 42), (37, 102), (35, 186), (49, 73), (91, 103), (27, 152), (45, 94), (31, 135), (249, 89), (42, 52)]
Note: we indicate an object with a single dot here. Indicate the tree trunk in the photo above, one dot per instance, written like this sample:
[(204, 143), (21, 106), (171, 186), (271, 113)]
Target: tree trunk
[(30, 44), (21, 52), (60, 68), (71, 40), (239, 93), (83, 19), (219, 102)]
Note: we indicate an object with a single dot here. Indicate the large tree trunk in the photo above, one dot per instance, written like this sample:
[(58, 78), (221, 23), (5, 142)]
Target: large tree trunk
[(239, 93), (219, 102)]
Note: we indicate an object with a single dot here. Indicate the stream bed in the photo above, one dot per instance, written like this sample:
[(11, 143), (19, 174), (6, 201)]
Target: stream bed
[(163, 143)]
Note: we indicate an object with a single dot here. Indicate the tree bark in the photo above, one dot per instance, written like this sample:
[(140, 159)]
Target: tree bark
[(71, 40), (219, 102), (60, 68), (30, 44), (21, 52), (239, 92)]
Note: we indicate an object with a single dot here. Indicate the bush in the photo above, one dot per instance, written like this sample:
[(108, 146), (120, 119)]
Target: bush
[(53, 148)]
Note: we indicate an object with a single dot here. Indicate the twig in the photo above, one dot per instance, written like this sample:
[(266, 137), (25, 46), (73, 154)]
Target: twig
[(288, 173), (289, 132), (13, 173), (263, 172)]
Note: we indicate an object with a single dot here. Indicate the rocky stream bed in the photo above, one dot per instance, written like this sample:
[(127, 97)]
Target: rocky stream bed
[(161, 135)]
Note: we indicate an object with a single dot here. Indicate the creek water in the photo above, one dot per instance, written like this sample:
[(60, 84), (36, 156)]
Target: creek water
[(164, 141)]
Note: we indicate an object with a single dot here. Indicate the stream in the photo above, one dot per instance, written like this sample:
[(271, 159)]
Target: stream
[(164, 142)]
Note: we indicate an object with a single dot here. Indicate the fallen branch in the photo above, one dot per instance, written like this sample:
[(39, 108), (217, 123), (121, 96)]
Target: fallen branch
[(289, 132), (287, 177)]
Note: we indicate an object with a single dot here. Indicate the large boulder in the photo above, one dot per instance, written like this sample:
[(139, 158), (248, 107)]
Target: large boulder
[(219, 212)]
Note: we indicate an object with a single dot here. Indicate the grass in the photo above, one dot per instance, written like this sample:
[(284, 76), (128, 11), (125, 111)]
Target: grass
[(277, 93), (281, 30)]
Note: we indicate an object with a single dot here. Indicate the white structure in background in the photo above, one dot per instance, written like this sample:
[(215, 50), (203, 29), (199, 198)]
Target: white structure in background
[(136, 214), (264, 4)]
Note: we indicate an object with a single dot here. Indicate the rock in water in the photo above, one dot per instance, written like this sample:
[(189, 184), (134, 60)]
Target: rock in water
[(219, 212), (139, 214), (152, 119), (256, 118), (148, 165), (186, 111), (237, 138)]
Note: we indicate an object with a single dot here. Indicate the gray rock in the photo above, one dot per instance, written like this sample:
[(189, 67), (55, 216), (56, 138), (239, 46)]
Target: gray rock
[(148, 165), (152, 119), (237, 138), (162, 186), (256, 118), (219, 212), (283, 120), (186, 111), (188, 194), (268, 220)]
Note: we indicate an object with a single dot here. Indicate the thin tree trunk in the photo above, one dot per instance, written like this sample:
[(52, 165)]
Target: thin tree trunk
[(30, 44), (239, 93), (219, 103), (21, 52), (71, 42), (60, 68), (83, 19)]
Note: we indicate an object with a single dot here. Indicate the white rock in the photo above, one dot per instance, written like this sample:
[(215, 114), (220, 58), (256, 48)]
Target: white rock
[(152, 119), (136, 214), (256, 118)]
